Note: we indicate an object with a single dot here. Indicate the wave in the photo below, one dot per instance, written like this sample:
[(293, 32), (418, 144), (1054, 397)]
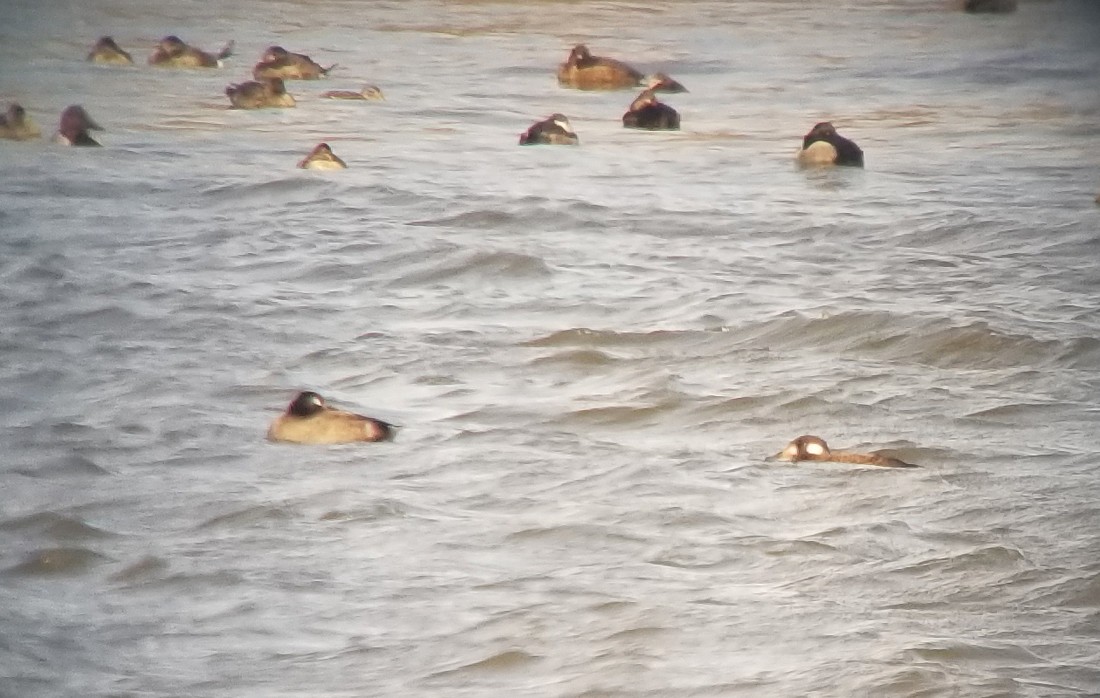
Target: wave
[(55, 562), (55, 526), (490, 266), (508, 660)]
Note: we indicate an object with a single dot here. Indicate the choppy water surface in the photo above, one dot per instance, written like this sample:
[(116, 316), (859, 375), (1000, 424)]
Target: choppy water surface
[(591, 351)]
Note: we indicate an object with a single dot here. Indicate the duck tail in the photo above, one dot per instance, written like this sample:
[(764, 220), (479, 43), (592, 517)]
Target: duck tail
[(227, 50), (326, 71)]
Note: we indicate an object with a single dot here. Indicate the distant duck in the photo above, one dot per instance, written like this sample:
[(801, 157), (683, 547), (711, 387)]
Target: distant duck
[(989, 6), (661, 82), (172, 52), (369, 92), (74, 127), (15, 125), (268, 93), (308, 420), (322, 158), (649, 113), (809, 447), (106, 51), (824, 146), (554, 130), (584, 71), (277, 62)]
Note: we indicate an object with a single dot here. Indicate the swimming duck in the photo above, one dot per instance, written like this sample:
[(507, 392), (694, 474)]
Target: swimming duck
[(308, 420), (661, 82), (277, 62), (824, 146), (106, 51), (554, 130), (268, 93), (172, 52), (368, 92), (647, 112), (15, 125), (74, 127), (989, 6), (584, 71), (322, 158), (808, 447)]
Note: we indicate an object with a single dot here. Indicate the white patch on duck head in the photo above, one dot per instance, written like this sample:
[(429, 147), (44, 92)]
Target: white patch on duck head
[(563, 123), (815, 448)]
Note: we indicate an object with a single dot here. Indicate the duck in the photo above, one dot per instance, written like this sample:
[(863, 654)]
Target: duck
[(989, 6), (584, 71), (661, 82), (277, 62), (322, 158), (74, 127), (649, 113), (268, 93), (369, 92), (309, 420), (824, 146), (15, 125), (809, 447), (107, 52), (172, 52), (554, 130)]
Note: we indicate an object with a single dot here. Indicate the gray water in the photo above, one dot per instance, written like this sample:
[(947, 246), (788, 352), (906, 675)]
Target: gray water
[(590, 350)]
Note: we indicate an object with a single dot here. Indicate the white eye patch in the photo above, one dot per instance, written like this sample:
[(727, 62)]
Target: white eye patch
[(815, 449), (564, 125)]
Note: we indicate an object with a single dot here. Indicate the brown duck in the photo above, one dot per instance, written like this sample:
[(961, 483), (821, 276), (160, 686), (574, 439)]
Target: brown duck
[(172, 52), (268, 93), (277, 62), (15, 125), (808, 447), (308, 420), (106, 51), (322, 158)]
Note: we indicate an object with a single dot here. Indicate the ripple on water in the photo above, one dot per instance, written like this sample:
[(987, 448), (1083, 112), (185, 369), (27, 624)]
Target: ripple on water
[(140, 571), (506, 661), (586, 337), (486, 266), (251, 515), (56, 562), (576, 358), (53, 525)]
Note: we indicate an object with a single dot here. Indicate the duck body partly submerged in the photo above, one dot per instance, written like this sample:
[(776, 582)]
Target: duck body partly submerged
[(309, 420), (369, 92), (74, 126), (277, 62), (649, 113), (172, 52), (322, 158), (553, 130), (268, 93), (813, 448), (824, 146), (15, 125), (107, 52)]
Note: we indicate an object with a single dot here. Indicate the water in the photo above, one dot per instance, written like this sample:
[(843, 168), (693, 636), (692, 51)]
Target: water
[(591, 351)]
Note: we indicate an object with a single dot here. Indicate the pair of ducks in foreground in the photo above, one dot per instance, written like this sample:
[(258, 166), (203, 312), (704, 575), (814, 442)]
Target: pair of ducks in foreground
[(309, 420)]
